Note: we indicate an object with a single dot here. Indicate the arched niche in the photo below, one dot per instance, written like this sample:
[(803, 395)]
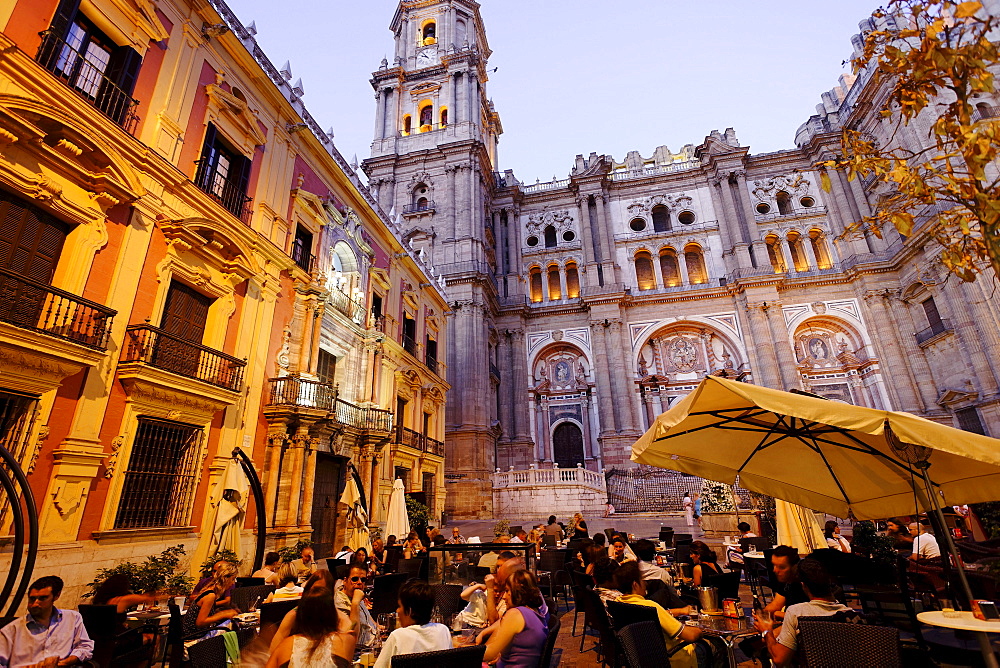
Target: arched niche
[(687, 350)]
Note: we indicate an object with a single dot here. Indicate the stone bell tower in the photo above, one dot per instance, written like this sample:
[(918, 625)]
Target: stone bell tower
[(432, 167)]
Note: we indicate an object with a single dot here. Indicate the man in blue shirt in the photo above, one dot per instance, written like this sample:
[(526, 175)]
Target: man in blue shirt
[(46, 636)]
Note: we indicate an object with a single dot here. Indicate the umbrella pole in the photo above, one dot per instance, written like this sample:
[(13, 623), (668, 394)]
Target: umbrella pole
[(985, 646)]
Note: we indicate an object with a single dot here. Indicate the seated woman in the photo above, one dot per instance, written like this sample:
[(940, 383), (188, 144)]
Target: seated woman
[(204, 618), (117, 591), (899, 532), (270, 569), (319, 637), (321, 579), (360, 557), (378, 556), (704, 559), (833, 537), (288, 589), (416, 633), (412, 547), (519, 640)]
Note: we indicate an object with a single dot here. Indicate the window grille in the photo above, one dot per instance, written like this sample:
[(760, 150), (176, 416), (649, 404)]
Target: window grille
[(968, 420), (17, 419), (160, 480)]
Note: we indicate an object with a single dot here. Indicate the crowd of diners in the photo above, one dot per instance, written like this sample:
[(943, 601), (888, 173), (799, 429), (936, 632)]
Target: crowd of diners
[(333, 625)]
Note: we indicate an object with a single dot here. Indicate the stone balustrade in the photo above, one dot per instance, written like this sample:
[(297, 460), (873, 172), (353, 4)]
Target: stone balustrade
[(536, 493)]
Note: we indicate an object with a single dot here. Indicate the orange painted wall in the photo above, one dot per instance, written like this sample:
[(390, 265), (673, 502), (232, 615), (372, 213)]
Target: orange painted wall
[(195, 132), (29, 18)]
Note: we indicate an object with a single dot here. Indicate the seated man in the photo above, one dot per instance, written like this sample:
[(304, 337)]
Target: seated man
[(302, 567), (628, 580), (818, 587), (416, 633), (619, 550), (925, 545), (46, 636), (666, 595), (367, 628)]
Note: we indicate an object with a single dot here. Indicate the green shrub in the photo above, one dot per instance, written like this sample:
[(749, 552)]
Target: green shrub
[(222, 555), (158, 573), (501, 528), (418, 514), (290, 553)]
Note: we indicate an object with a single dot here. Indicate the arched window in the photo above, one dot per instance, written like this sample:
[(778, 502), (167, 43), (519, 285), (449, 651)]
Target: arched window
[(426, 117), (428, 34), (572, 281), (420, 194), (555, 289), (774, 254), (669, 268), (444, 117), (820, 249), (784, 203), (644, 276), (567, 445), (535, 284), (461, 32), (407, 124), (422, 204), (550, 237), (799, 259), (695, 260), (661, 219)]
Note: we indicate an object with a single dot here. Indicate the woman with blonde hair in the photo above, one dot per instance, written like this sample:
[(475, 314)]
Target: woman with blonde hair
[(578, 528), (202, 619)]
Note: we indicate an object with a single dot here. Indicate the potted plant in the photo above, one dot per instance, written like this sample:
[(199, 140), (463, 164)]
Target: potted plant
[(157, 574)]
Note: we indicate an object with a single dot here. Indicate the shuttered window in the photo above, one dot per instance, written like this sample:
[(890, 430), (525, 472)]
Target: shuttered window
[(30, 239), (185, 313)]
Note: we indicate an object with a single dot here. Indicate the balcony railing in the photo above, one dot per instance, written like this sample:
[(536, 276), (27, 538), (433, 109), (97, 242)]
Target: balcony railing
[(80, 73), (432, 364), (224, 191), (982, 113), (409, 345), (420, 207), (42, 308), (305, 393), (939, 327), (341, 301), (155, 347), (369, 419), (305, 261), (418, 441)]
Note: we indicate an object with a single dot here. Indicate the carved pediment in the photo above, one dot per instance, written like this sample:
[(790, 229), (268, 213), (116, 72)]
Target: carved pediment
[(239, 124), (380, 277), (560, 220), (213, 244)]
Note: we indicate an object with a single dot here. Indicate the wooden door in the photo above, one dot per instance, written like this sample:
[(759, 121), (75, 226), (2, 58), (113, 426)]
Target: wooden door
[(183, 324), (567, 445)]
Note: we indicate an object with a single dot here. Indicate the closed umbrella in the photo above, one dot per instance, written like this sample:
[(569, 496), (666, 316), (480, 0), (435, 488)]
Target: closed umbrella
[(797, 526), (398, 522), (357, 516), (227, 508)]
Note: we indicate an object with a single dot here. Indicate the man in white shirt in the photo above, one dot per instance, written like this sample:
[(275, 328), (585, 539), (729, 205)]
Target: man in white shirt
[(47, 635), (416, 633), (519, 536), (925, 545), (357, 578)]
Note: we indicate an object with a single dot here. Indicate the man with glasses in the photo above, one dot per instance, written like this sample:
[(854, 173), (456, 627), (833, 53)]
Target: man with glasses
[(356, 579), (46, 636)]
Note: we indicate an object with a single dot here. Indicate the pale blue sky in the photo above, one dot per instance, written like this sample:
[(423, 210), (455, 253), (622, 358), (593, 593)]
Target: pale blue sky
[(581, 76)]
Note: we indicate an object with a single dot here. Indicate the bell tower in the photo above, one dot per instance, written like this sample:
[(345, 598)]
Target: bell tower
[(432, 167)]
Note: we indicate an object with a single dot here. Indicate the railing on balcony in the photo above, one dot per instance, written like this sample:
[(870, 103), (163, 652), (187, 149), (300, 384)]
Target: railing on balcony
[(984, 112), (409, 345), (291, 391), (432, 364), (225, 191), (425, 206), (939, 327), (422, 442), (83, 75), (42, 308), (341, 301), (369, 419), (155, 347), (305, 261)]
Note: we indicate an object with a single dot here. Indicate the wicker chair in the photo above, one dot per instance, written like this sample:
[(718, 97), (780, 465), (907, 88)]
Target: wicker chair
[(831, 644), (595, 616), (208, 653), (623, 614), (460, 657), (545, 661), (448, 599), (245, 597), (643, 647)]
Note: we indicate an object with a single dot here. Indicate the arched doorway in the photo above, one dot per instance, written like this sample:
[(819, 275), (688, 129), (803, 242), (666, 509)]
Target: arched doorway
[(567, 445)]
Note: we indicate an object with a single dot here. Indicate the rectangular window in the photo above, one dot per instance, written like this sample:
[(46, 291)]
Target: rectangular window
[(183, 324), (160, 479), (404, 475), (431, 354), (934, 320), (302, 249), (409, 334), (224, 173), (326, 367), (969, 420), (428, 486)]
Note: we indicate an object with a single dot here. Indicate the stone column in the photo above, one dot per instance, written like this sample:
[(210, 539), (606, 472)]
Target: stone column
[(379, 115), (725, 218), (983, 317), (972, 343), (275, 444), (506, 365), (682, 267), (787, 366), (740, 248), (543, 432), (589, 449), (602, 375), (610, 273), (806, 242), (752, 236), (624, 396), (519, 364), (305, 509), (786, 252), (562, 282), (892, 353), (762, 344)]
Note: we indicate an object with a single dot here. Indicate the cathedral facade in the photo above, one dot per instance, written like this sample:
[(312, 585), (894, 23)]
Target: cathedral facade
[(583, 307)]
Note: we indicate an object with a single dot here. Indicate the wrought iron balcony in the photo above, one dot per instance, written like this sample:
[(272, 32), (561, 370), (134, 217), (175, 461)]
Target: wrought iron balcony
[(984, 112), (432, 364), (368, 419), (341, 301), (417, 441), (409, 345), (939, 327), (291, 391), (155, 347), (426, 206), (81, 74), (42, 308), (225, 191)]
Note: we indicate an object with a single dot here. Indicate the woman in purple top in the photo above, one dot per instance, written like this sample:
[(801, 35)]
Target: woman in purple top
[(520, 637)]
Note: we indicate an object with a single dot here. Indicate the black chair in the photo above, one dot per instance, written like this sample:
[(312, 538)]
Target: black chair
[(666, 535), (331, 564), (460, 657), (249, 582), (245, 634), (208, 653), (479, 573), (414, 568), (579, 604), (545, 660), (892, 606), (549, 540), (113, 645), (448, 599), (643, 646), (623, 614), (385, 593), (246, 597), (174, 645), (682, 555), (757, 544), (393, 555), (728, 584), (831, 644), (595, 616), (275, 611), (683, 539)]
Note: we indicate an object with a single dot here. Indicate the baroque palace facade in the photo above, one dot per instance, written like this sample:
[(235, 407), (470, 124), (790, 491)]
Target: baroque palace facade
[(188, 266), (583, 307)]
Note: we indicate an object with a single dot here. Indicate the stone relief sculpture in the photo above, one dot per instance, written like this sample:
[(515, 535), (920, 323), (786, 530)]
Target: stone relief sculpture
[(560, 220), (767, 189)]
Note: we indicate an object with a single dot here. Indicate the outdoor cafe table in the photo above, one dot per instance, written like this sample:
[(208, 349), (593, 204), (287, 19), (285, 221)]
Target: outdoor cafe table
[(962, 621), (727, 629)]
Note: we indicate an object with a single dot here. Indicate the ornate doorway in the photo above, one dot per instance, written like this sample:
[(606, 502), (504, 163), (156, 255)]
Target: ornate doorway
[(567, 445)]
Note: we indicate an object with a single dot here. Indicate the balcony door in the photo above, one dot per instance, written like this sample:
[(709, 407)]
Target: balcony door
[(567, 445), (30, 244), (183, 324)]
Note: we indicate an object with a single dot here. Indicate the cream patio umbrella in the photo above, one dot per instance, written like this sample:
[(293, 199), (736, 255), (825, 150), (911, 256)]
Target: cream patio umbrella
[(357, 516), (797, 526), (227, 508), (398, 522)]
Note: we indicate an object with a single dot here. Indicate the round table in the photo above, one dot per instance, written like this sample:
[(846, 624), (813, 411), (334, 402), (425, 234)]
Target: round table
[(753, 555), (964, 622)]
